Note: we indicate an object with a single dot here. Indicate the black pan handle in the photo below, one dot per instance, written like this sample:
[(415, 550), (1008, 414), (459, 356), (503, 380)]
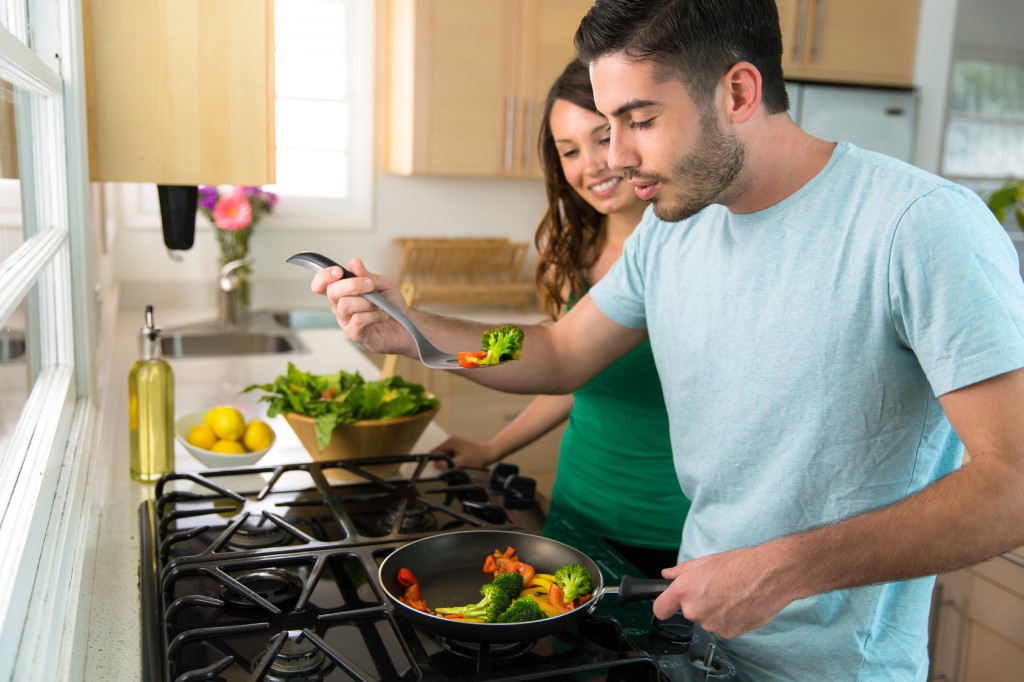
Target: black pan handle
[(635, 589)]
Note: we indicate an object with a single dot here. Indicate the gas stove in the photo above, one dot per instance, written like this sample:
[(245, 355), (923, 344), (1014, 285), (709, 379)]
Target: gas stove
[(270, 573)]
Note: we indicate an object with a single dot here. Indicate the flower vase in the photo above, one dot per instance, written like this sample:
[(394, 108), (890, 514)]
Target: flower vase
[(243, 296), (234, 246)]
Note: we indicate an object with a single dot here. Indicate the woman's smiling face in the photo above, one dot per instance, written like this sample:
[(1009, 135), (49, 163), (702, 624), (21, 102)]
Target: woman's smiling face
[(581, 138)]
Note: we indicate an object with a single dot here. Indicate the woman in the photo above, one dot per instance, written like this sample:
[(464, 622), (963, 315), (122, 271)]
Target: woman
[(615, 472)]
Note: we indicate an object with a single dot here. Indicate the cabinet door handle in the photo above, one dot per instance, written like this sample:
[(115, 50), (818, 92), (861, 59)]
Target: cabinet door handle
[(510, 130), (527, 134), (801, 29), (819, 24)]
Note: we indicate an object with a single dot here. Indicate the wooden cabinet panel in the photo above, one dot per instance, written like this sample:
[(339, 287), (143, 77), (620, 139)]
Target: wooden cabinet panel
[(978, 623), (467, 81), (180, 91), (869, 41)]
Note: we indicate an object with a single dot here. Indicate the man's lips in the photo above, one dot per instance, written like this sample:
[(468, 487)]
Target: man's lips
[(644, 189)]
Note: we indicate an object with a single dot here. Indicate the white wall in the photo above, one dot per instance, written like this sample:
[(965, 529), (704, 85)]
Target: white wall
[(402, 207)]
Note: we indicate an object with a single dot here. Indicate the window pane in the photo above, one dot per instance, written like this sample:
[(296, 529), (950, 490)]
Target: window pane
[(985, 132), (310, 74), (11, 234), (305, 24), (330, 180), (302, 124), (984, 149), (14, 375)]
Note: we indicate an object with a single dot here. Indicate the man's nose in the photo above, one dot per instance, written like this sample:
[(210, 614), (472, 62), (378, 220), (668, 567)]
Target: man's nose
[(620, 155)]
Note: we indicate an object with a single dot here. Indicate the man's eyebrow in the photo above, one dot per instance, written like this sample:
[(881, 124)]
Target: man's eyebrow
[(631, 105)]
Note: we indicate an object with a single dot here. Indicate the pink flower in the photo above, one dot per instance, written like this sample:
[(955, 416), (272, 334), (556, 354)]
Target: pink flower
[(233, 211)]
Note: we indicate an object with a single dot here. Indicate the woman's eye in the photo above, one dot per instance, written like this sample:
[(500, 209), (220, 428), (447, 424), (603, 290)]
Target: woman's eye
[(568, 154), (640, 125), (605, 140)]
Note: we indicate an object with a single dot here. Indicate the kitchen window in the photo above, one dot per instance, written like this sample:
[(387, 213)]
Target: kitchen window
[(47, 380), (985, 128), (323, 70)]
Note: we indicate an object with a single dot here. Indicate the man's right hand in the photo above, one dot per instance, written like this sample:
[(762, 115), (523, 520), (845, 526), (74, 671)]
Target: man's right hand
[(361, 320)]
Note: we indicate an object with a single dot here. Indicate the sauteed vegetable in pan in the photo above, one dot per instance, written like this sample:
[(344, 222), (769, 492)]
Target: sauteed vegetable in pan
[(434, 578)]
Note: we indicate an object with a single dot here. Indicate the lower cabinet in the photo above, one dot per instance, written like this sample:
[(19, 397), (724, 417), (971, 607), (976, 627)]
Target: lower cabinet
[(478, 413), (977, 622)]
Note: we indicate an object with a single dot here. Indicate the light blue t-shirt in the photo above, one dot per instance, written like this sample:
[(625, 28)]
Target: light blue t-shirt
[(801, 349)]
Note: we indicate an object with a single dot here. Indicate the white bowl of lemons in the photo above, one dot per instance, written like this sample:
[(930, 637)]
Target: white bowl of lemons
[(222, 437)]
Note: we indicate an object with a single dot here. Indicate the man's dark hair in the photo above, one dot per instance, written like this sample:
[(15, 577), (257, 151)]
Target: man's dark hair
[(696, 41)]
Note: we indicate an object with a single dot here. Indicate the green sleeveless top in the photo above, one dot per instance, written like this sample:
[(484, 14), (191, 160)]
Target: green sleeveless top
[(615, 468)]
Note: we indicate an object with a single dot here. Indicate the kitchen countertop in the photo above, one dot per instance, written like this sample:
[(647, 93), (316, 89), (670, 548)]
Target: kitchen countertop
[(114, 639)]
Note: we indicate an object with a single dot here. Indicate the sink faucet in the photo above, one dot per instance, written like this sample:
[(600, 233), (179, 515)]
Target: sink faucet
[(228, 314)]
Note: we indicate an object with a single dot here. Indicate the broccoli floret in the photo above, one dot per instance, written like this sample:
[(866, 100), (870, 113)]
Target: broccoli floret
[(574, 581), (510, 583), (493, 604), (501, 344), (522, 610)]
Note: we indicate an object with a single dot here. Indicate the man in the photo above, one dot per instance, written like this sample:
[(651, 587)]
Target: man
[(826, 322)]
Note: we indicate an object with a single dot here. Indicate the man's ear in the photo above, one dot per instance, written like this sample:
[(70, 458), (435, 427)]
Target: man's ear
[(742, 85)]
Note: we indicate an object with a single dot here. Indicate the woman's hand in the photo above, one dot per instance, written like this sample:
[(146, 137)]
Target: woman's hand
[(361, 320), (467, 453)]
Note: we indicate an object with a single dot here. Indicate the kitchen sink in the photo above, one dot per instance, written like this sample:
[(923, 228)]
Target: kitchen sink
[(229, 342), (260, 333), (305, 319), (12, 346)]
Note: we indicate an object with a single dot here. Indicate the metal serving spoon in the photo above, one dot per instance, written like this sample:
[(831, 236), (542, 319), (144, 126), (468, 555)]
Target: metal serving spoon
[(429, 356)]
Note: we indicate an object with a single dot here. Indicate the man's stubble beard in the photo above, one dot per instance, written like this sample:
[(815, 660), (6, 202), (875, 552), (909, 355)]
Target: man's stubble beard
[(706, 176)]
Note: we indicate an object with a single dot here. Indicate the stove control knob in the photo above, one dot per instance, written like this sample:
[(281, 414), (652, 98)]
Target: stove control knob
[(500, 473), (519, 492), (677, 630), (486, 511)]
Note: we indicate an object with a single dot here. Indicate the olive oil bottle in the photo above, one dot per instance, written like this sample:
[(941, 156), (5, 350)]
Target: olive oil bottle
[(151, 408)]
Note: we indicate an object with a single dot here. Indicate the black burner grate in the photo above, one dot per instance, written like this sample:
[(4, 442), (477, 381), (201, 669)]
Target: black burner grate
[(271, 574)]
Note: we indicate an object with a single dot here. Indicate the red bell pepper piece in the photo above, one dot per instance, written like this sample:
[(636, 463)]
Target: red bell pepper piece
[(557, 599), (471, 359)]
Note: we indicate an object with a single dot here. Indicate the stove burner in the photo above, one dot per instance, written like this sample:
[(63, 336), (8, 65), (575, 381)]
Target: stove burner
[(474, 651), (257, 532), (277, 586), (415, 519), (299, 660)]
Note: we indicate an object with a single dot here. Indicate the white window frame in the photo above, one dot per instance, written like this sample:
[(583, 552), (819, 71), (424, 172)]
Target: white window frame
[(356, 211), (46, 466)]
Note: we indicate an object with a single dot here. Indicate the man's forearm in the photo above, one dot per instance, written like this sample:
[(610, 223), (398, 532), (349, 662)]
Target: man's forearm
[(965, 518)]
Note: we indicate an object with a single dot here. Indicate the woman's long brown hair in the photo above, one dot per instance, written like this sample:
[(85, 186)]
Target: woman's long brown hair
[(569, 236)]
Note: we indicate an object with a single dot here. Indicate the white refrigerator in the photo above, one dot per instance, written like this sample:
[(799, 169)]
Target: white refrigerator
[(879, 119)]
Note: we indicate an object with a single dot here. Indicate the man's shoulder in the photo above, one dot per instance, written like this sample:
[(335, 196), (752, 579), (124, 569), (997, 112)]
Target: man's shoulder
[(877, 168)]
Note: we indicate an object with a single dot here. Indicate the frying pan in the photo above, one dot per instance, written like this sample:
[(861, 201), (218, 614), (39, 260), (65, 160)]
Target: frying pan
[(449, 568)]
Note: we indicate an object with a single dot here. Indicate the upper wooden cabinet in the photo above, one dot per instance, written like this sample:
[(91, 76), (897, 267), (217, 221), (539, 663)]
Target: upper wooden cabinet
[(467, 82), (180, 91), (868, 41)]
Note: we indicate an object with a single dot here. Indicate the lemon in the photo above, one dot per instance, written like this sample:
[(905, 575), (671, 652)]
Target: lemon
[(202, 436), (227, 422), (257, 436), (228, 447)]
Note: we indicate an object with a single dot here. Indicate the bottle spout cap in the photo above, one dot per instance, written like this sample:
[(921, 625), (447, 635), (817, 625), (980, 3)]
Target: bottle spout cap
[(149, 337)]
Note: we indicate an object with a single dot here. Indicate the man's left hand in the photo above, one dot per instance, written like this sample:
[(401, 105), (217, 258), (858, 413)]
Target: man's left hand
[(729, 593)]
